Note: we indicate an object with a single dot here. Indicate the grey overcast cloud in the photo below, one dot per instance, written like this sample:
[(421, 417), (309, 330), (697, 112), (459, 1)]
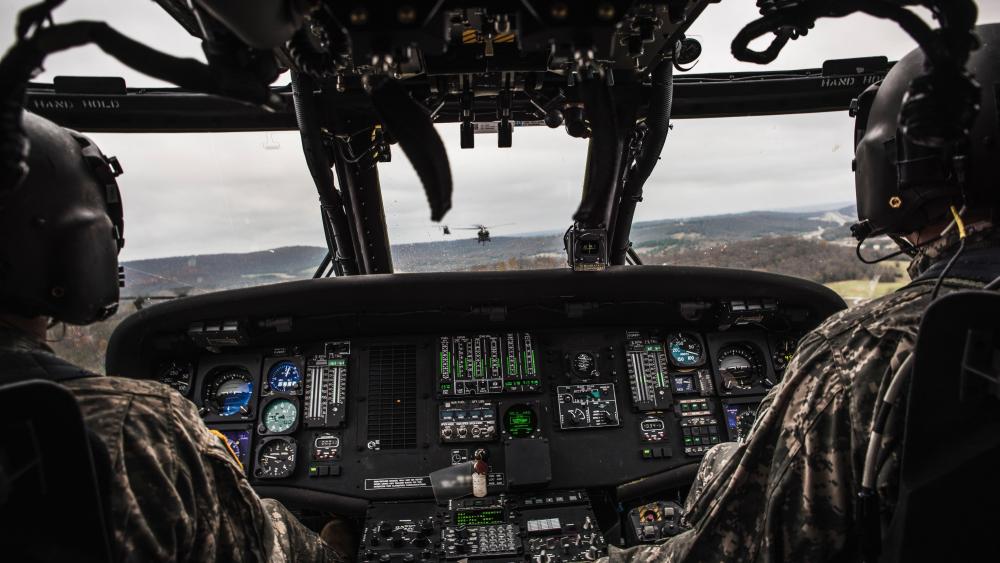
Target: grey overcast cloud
[(241, 192)]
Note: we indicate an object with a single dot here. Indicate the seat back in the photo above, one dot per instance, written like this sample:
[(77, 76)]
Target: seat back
[(949, 487), (51, 504)]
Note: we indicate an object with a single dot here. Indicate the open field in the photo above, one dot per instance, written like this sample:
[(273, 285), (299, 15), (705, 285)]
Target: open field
[(855, 291)]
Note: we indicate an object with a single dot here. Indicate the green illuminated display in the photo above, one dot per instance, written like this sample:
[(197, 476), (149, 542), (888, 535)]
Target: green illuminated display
[(520, 421), (479, 517)]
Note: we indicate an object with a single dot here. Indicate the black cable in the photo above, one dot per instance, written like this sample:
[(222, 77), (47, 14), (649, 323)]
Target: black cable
[(857, 250), (28, 55), (944, 272)]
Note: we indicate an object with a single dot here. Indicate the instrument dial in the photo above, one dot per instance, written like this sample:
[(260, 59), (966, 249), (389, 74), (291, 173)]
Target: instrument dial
[(275, 458), (783, 352), (741, 366), (228, 392), (284, 377), (740, 419), (280, 415), (176, 374), (584, 365), (686, 350)]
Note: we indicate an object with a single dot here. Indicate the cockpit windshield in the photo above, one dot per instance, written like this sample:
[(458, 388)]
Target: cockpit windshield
[(213, 211)]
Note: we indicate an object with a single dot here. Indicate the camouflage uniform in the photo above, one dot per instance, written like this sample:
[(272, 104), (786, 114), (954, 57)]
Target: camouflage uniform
[(176, 491), (787, 493)]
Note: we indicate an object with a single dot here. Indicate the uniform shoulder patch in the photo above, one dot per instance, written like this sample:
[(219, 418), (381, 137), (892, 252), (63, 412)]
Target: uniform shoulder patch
[(229, 448)]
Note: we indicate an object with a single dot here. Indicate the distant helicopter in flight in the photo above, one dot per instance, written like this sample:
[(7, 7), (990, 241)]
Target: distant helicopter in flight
[(482, 234)]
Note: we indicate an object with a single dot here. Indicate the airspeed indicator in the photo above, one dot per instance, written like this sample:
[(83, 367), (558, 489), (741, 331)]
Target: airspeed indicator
[(686, 350)]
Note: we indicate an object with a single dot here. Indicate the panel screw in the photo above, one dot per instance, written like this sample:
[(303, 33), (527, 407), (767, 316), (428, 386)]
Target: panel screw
[(895, 202)]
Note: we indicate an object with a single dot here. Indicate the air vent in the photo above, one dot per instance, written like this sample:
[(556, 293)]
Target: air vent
[(392, 397)]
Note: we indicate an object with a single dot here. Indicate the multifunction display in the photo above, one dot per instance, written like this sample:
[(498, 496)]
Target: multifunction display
[(487, 364)]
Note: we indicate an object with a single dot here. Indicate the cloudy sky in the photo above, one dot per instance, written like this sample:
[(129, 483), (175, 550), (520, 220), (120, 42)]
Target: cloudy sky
[(240, 192)]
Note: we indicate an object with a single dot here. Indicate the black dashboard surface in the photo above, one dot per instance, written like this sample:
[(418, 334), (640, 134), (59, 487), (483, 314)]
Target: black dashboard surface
[(344, 391)]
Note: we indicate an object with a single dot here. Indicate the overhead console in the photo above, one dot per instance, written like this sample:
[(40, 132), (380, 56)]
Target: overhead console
[(343, 392)]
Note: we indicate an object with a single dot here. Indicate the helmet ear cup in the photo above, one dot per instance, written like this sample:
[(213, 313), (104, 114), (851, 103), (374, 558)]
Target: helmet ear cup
[(87, 247)]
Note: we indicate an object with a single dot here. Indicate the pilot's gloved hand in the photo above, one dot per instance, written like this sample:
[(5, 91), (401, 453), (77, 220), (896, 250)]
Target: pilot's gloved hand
[(339, 534)]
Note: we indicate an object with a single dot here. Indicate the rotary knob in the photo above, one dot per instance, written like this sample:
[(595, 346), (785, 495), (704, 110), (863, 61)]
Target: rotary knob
[(425, 527)]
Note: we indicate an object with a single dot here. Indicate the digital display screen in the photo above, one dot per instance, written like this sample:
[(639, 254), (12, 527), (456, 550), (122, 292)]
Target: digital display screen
[(739, 419), (652, 425), (239, 441), (520, 421), (480, 517), (731, 412), (684, 384), (327, 442)]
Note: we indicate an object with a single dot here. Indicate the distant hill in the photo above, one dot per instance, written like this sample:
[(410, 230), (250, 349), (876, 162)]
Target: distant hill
[(182, 275), (743, 226), (206, 272)]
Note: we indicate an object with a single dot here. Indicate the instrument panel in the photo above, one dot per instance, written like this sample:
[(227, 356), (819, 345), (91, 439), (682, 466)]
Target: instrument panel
[(601, 406), (563, 401), (339, 393)]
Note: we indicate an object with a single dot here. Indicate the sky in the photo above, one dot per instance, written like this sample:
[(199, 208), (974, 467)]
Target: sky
[(242, 192)]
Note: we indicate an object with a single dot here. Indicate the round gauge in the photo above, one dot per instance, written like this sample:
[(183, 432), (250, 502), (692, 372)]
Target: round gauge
[(783, 352), (520, 421), (280, 415), (583, 365), (284, 377), (228, 392), (275, 458), (744, 423), (177, 375), (741, 366), (686, 350)]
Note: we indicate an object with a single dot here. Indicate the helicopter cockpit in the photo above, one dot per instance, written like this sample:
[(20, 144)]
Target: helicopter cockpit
[(478, 415)]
